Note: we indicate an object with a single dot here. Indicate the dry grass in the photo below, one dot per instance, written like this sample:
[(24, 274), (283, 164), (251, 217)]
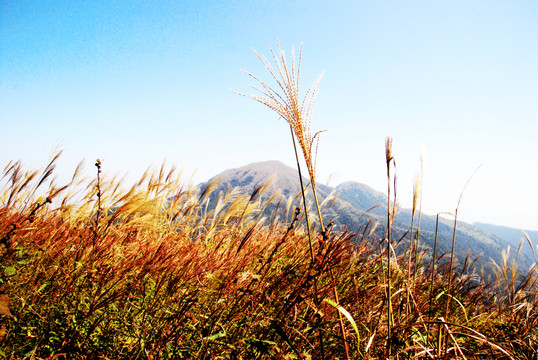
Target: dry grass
[(287, 103), (161, 275)]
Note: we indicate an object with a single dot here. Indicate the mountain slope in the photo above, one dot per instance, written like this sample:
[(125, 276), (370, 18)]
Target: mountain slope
[(468, 237), (357, 206), (513, 236)]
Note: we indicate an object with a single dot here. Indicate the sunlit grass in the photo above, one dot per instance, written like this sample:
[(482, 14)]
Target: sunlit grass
[(161, 275)]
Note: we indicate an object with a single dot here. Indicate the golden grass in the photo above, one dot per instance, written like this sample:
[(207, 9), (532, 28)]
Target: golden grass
[(287, 103), (163, 275)]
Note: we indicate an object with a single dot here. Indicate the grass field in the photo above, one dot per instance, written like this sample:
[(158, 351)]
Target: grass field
[(150, 272)]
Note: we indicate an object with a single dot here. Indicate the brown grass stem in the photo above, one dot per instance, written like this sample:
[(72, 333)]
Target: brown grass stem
[(310, 241), (451, 263), (390, 217)]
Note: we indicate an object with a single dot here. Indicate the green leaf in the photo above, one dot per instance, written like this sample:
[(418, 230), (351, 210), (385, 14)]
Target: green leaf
[(216, 336), (10, 271), (348, 316)]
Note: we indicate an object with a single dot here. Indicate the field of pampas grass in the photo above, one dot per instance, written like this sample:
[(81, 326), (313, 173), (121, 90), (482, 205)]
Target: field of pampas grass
[(152, 273)]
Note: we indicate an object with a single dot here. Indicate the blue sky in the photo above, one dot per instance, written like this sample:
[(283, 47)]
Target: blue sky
[(136, 83)]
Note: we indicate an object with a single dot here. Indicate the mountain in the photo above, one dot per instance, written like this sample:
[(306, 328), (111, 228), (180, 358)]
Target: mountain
[(486, 240), (357, 207), (514, 237), (249, 177)]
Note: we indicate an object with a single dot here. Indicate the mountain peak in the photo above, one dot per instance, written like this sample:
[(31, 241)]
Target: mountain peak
[(269, 166), (255, 174)]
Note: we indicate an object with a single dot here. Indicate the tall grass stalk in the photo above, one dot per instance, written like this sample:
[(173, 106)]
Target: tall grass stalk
[(432, 282), (451, 264), (412, 252), (417, 237), (391, 209), (98, 188), (288, 106), (298, 114), (304, 197)]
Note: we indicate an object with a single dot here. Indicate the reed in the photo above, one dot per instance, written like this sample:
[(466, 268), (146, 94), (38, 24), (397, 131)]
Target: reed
[(288, 105), (391, 213), (412, 250), (451, 263), (298, 115), (419, 181)]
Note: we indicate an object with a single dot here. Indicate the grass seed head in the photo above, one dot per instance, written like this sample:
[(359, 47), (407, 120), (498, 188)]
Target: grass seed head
[(286, 101)]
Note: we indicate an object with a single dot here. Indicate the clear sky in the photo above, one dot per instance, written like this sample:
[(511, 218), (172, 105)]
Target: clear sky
[(139, 82)]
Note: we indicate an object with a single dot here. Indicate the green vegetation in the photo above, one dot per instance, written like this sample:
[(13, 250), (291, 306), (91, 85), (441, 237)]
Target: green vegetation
[(94, 270)]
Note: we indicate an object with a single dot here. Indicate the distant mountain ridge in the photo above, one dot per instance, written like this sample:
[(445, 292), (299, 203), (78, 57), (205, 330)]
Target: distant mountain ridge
[(357, 206), (514, 237)]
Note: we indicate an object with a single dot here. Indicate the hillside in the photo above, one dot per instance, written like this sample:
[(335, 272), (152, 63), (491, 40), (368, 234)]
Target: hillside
[(514, 237), (357, 207)]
